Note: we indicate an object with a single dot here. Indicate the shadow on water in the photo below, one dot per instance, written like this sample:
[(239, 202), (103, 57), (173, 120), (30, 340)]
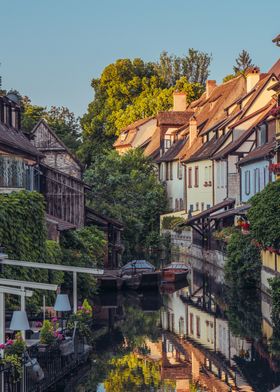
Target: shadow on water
[(204, 336)]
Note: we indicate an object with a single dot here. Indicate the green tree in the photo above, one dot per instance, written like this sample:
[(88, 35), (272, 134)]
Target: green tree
[(243, 62), (264, 216), (126, 188), (243, 265), (128, 90)]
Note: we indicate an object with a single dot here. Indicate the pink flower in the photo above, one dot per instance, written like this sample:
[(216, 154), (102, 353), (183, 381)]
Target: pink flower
[(9, 342), (38, 324), (87, 311), (54, 319), (60, 336), (2, 346), (80, 307)]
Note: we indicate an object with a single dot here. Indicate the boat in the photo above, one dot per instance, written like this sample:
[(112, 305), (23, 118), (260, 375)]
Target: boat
[(140, 274), (175, 272)]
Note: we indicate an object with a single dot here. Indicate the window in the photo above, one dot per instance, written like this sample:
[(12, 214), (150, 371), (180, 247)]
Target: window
[(191, 207), (257, 184), (196, 176), (198, 326), (208, 206), (166, 171), (197, 205), (171, 170), (247, 182), (191, 323), (218, 173), (179, 171), (261, 135), (202, 206), (190, 177), (206, 175), (176, 204), (167, 144), (181, 204)]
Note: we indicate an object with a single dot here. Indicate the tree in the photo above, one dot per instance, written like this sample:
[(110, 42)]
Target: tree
[(243, 62), (128, 90), (126, 188), (264, 216)]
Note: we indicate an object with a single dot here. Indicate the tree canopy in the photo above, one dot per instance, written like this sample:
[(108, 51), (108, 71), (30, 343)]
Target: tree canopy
[(243, 62), (128, 90), (126, 188)]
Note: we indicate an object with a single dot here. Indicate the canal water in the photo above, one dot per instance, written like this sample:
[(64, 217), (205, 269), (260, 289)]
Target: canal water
[(200, 336)]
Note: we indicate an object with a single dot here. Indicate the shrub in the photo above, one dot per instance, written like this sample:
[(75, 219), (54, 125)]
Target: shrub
[(264, 216), (243, 265)]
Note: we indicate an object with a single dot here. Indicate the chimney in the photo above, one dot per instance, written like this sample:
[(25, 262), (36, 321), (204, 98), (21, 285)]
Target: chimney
[(252, 78), (192, 130), (210, 85), (179, 101)]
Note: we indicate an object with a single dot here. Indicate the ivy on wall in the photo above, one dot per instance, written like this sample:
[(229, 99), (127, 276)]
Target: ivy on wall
[(23, 237)]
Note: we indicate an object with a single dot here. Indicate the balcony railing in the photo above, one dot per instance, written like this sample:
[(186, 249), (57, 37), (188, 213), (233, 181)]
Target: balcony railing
[(15, 173)]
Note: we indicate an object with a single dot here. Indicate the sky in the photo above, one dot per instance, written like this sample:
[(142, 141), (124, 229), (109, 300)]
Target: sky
[(51, 49)]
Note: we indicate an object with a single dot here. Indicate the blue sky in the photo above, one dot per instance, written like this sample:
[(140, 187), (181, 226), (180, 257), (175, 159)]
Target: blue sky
[(51, 49)]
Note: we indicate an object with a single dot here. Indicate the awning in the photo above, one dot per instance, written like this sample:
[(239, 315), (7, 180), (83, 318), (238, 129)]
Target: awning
[(228, 203), (241, 210)]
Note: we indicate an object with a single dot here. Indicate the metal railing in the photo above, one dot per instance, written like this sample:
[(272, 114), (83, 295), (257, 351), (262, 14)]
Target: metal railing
[(44, 367)]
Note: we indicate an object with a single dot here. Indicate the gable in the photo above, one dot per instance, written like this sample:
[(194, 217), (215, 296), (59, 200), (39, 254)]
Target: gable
[(43, 138)]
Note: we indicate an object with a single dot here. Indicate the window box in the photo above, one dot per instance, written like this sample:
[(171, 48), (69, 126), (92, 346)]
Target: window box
[(274, 168)]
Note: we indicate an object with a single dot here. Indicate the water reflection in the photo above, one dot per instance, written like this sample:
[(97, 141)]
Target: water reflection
[(194, 338)]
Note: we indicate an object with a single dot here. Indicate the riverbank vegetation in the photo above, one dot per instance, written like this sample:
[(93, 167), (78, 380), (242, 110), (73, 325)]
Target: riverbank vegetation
[(127, 188)]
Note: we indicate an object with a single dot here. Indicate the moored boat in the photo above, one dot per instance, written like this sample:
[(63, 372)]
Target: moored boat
[(139, 274), (175, 272)]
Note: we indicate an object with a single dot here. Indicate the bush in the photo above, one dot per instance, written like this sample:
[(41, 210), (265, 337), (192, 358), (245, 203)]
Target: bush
[(264, 216), (172, 223), (243, 265)]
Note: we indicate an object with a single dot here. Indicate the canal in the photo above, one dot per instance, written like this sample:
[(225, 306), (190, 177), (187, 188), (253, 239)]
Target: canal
[(199, 336)]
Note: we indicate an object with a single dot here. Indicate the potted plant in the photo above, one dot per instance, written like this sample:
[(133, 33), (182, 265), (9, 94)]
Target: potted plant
[(47, 335), (13, 355)]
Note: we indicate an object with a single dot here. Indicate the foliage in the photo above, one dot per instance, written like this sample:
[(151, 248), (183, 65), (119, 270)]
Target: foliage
[(243, 265), (62, 121), (126, 188), (228, 77), (23, 236), (15, 362), (83, 316), (47, 333), (244, 311), (243, 62), (128, 90), (264, 216), (225, 233), (84, 247), (138, 326), (274, 342), (130, 373), (172, 223), (13, 355)]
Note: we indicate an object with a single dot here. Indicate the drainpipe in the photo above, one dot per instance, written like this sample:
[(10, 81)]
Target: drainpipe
[(185, 187)]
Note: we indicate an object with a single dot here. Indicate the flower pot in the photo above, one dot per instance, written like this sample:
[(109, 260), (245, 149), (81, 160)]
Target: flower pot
[(67, 347)]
